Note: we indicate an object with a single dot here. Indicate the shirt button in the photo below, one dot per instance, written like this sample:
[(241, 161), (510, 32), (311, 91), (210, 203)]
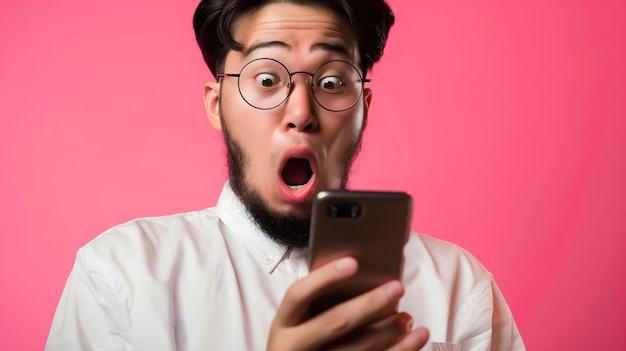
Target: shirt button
[(268, 259)]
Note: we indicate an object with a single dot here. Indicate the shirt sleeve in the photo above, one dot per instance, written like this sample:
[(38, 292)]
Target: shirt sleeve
[(505, 335), (487, 323), (91, 314)]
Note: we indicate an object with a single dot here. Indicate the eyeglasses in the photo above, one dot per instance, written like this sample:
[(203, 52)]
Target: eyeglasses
[(265, 84)]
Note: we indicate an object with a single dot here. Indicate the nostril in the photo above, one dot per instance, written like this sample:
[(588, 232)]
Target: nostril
[(309, 127)]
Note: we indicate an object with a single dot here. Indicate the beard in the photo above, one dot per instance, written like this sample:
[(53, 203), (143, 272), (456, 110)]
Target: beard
[(290, 230)]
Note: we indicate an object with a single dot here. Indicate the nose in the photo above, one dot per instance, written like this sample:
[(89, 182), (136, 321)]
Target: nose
[(299, 107)]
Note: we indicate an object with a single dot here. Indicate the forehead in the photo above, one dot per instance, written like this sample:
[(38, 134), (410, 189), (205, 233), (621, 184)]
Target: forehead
[(291, 31)]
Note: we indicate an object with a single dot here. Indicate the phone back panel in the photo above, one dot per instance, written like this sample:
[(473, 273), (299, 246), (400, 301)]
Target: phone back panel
[(369, 226)]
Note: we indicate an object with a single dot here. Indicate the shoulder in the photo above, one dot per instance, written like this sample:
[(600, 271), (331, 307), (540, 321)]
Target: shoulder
[(145, 243), (438, 260), (441, 253), (155, 232)]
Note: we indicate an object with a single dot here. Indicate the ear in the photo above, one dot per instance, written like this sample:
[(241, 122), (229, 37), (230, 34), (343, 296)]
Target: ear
[(212, 104), (367, 101)]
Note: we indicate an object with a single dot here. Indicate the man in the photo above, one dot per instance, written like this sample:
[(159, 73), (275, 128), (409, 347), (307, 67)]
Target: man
[(291, 101)]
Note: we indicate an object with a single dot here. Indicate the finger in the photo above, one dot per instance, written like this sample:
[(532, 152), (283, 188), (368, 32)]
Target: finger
[(377, 336), (294, 307), (353, 314), (412, 341)]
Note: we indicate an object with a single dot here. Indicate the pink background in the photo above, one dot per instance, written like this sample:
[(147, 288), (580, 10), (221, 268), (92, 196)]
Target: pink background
[(506, 120)]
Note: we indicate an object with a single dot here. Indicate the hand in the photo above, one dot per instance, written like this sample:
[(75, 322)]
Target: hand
[(366, 322)]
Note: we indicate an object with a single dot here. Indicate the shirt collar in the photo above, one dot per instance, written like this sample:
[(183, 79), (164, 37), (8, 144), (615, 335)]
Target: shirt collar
[(234, 214)]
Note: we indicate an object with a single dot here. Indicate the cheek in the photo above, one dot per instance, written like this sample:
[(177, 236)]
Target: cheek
[(255, 140), (348, 130), (245, 124)]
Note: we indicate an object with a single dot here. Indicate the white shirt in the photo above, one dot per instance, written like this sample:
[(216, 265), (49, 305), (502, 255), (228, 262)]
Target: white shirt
[(212, 280)]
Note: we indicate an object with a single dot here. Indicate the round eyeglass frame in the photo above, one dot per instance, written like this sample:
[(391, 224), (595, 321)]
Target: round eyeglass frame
[(291, 74)]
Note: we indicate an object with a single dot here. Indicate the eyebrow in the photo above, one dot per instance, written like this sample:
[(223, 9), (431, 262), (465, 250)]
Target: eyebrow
[(340, 49)]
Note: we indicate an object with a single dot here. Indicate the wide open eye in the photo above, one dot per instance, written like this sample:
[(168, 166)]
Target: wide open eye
[(267, 80), (331, 84)]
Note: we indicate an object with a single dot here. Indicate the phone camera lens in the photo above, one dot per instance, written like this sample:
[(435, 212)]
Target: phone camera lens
[(347, 210), (333, 211), (355, 211)]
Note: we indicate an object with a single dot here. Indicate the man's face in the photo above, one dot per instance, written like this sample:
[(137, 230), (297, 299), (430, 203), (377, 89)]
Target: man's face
[(281, 157)]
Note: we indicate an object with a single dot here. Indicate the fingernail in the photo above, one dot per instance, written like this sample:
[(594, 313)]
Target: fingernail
[(394, 289), (423, 333), (346, 265)]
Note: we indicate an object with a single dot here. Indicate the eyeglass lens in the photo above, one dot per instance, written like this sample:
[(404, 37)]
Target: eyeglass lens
[(265, 84)]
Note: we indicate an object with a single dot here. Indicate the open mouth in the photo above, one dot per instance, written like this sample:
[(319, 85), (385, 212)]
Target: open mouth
[(296, 173)]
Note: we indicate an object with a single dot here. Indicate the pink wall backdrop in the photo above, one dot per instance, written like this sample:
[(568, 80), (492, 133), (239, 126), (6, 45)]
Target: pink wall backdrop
[(505, 119)]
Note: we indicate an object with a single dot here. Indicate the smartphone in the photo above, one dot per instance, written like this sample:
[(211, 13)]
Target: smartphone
[(370, 226)]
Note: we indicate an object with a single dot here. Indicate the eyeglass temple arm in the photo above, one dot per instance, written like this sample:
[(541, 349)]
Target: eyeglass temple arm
[(227, 75)]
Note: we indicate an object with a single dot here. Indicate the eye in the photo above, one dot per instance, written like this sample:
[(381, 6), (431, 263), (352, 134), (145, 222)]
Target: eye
[(331, 84), (267, 80)]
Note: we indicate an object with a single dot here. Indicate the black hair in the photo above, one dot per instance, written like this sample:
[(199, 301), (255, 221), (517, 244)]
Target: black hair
[(213, 22)]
